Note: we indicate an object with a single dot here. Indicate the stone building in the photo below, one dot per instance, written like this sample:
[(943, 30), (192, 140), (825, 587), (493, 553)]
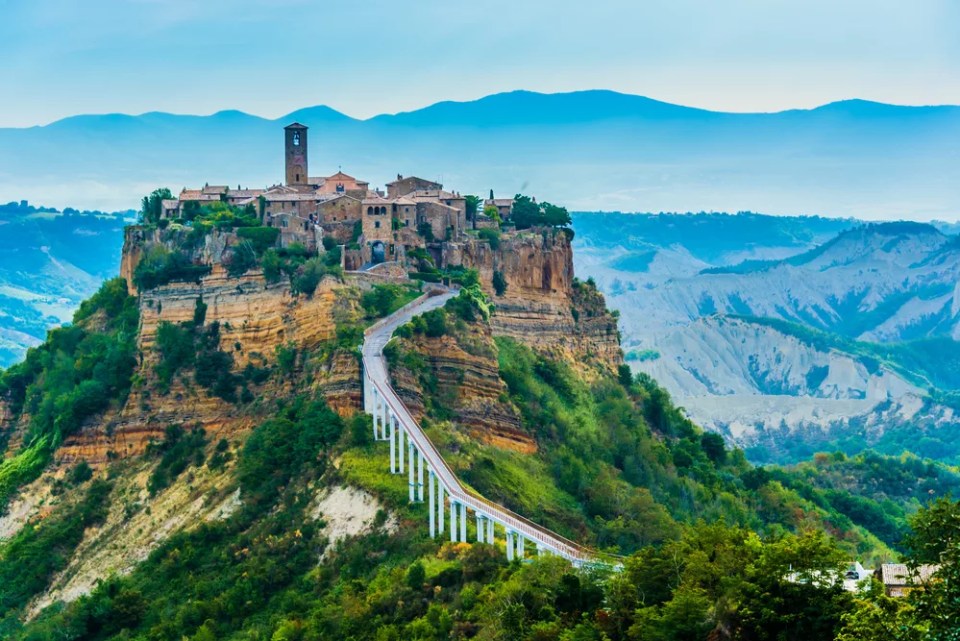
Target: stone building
[(403, 186), (375, 226)]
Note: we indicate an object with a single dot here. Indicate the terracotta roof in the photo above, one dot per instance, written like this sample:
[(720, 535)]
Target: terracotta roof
[(214, 189), (341, 176), (499, 202), (432, 182), (900, 574), (403, 200), (373, 198)]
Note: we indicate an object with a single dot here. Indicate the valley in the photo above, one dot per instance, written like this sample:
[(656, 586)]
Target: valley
[(824, 335)]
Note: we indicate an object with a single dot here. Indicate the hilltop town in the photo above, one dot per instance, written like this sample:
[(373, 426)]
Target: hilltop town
[(374, 226)]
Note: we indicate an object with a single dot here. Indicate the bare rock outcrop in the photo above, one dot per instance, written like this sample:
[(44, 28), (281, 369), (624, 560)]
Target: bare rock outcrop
[(543, 305)]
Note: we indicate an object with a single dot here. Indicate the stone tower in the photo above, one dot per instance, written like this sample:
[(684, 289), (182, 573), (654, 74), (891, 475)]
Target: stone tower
[(295, 154)]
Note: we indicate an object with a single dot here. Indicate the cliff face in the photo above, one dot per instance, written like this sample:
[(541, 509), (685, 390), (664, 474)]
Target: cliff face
[(255, 319), (460, 375), (542, 305)]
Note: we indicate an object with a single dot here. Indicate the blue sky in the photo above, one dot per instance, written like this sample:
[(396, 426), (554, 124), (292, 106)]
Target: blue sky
[(363, 57)]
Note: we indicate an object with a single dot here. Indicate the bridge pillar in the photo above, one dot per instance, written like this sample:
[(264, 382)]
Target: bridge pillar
[(393, 444), (510, 545), (433, 505), (541, 551), (463, 522), (453, 520), (419, 476), (384, 424), (480, 526), (440, 506), (366, 393), (520, 554), (410, 470), (490, 532), (400, 450), (375, 412)]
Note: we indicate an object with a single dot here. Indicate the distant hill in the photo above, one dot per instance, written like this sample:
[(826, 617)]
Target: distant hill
[(589, 150), (790, 335), (49, 262)]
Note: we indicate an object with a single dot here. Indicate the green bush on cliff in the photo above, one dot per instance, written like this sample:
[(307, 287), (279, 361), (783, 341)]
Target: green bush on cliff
[(77, 373), (160, 266)]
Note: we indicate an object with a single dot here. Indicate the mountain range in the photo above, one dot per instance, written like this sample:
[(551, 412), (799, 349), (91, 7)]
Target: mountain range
[(791, 335), (590, 150)]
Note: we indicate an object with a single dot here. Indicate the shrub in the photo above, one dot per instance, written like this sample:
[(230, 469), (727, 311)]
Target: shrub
[(435, 323), (175, 345), (282, 448), (499, 283), (309, 275), (492, 236), (242, 259), (272, 265), (160, 266), (260, 238), (178, 450), (81, 473)]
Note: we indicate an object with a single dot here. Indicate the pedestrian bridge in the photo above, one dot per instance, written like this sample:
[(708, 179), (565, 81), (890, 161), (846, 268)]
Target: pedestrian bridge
[(449, 502)]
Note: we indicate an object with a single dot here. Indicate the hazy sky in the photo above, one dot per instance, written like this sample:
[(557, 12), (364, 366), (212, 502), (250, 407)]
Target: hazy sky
[(363, 57)]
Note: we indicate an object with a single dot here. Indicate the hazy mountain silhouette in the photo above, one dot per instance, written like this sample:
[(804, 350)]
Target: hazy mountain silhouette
[(590, 150)]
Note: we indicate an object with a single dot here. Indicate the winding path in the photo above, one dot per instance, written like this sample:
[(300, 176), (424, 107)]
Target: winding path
[(393, 422)]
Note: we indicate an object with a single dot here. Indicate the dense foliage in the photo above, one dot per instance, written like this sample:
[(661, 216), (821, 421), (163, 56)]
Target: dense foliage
[(527, 213), (78, 372)]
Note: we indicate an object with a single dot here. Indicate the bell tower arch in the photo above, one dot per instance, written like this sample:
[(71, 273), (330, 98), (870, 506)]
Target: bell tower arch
[(295, 154)]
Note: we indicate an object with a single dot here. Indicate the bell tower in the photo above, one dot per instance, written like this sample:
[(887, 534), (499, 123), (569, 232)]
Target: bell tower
[(295, 154)]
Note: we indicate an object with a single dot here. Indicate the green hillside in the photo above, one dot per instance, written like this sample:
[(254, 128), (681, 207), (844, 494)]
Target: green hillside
[(708, 539)]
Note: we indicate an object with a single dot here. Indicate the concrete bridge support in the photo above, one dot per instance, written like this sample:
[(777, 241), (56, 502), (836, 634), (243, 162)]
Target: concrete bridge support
[(432, 481), (410, 471), (393, 444), (510, 545), (440, 507), (419, 476), (400, 451), (481, 526), (490, 535), (453, 521), (463, 522)]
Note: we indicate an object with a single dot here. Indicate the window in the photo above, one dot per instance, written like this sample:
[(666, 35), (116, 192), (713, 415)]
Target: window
[(377, 224), (296, 141)]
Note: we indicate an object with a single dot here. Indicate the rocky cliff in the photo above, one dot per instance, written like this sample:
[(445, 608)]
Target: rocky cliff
[(459, 376), (540, 302), (255, 319)]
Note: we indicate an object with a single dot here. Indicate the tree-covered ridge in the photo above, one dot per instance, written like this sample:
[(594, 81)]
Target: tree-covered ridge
[(618, 465), (50, 261), (79, 372)]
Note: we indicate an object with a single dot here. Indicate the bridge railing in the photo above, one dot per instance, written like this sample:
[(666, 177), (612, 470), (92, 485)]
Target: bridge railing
[(448, 478)]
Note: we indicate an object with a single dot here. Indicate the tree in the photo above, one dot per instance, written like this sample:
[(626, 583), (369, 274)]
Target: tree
[(151, 207), (713, 446), (473, 205), (528, 213)]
